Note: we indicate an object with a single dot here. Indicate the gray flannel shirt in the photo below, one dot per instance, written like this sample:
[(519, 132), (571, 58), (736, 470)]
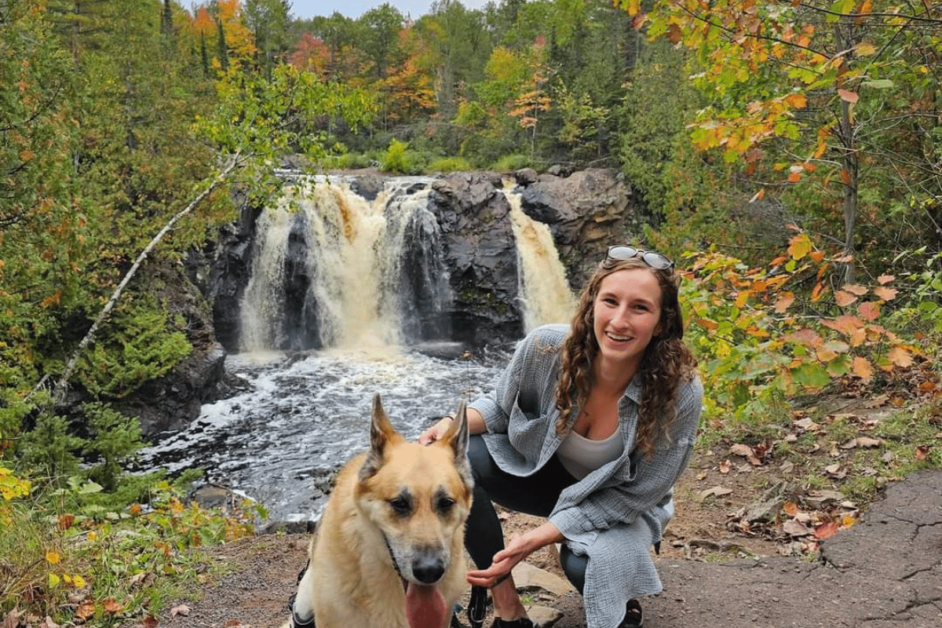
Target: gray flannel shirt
[(617, 512)]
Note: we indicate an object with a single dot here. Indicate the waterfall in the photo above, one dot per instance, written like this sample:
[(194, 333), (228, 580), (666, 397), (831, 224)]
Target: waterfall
[(546, 295), (332, 269)]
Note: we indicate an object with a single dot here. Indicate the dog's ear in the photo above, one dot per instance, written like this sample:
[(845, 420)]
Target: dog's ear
[(457, 438), (381, 435)]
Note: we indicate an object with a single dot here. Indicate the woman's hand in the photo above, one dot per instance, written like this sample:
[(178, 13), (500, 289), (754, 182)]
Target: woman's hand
[(519, 547), (437, 431), (504, 561)]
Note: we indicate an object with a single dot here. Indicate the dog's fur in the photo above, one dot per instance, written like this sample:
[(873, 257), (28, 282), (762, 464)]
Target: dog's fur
[(400, 502)]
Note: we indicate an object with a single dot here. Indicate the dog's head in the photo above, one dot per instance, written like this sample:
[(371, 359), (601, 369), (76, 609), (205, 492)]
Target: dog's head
[(417, 496)]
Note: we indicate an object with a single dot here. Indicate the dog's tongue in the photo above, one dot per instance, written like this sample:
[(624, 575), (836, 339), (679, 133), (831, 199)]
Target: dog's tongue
[(425, 607)]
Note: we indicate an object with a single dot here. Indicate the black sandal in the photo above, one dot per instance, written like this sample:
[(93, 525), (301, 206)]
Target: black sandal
[(633, 616)]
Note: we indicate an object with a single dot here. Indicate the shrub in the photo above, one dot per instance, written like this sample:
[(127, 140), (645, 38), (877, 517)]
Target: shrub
[(450, 164)]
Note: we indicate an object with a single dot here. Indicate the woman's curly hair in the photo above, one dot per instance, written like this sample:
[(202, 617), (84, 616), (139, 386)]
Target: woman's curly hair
[(666, 362)]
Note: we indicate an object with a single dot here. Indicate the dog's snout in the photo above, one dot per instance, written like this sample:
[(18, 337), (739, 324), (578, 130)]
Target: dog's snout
[(428, 567)]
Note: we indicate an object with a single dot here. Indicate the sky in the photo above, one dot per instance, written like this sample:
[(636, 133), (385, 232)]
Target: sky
[(307, 9)]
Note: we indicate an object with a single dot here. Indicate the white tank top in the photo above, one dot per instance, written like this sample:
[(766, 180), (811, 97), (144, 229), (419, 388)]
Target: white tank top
[(581, 456)]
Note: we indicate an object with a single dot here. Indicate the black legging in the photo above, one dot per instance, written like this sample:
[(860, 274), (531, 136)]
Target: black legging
[(534, 495)]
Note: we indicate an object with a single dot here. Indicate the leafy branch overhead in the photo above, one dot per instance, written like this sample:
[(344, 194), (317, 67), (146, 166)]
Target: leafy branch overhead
[(814, 88)]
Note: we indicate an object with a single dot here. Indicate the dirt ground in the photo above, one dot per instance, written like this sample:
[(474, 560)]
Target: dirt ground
[(715, 523)]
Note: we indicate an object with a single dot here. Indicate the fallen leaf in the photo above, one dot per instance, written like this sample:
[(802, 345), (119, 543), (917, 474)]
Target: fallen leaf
[(746, 452), (795, 528), (701, 475), (922, 452), (868, 443), (85, 610), (150, 622), (716, 491), (791, 509), (183, 610), (111, 606), (847, 521), (807, 424), (835, 471), (66, 521), (52, 558), (825, 530), (787, 467), (231, 623), (888, 457), (851, 444), (877, 402), (725, 466)]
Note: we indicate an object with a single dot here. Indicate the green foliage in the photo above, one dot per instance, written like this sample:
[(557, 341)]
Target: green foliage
[(450, 164), (142, 345), (76, 560), (113, 441), (395, 160), (509, 163), (49, 449), (761, 340)]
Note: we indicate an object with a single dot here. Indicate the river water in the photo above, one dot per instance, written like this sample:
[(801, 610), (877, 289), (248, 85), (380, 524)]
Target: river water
[(281, 441)]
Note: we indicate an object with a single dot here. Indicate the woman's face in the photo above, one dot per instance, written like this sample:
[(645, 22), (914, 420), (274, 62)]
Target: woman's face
[(627, 311)]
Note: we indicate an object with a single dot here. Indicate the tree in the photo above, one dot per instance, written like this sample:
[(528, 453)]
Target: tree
[(819, 89), (268, 21)]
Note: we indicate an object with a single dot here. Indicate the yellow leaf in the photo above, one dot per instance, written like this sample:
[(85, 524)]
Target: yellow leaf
[(796, 101), (78, 581), (799, 246), (52, 558), (53, 581), (865, 49), (863, 369)]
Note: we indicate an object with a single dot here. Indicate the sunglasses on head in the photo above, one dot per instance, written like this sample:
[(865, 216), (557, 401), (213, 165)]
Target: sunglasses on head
[(651, 258)]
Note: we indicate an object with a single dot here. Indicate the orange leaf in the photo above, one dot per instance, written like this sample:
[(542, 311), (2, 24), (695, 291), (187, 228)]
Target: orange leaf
[(150, 622), (794, 177), (825, 530), (855, 288), (791, 508), (66, 521), (900, 357), (847, 96), (805, 337), (707, 323), (843, 299), (887, 294), (784, 302), (809, 167), (845, 176), (85, 610), (922, 452), (869, 311), (863, 369), (817, 291), (111, 606), (885, 279)]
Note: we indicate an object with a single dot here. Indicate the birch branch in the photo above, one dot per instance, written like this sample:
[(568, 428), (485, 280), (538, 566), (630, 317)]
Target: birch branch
[(61, 387)]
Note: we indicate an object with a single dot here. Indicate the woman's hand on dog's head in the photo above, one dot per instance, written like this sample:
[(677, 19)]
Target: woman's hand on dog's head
[(437, 431)]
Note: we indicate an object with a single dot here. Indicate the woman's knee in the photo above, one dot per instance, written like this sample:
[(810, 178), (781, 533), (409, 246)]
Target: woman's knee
[(573, 566)]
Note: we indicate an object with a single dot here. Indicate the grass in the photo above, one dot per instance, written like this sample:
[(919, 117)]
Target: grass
[(78, 563)]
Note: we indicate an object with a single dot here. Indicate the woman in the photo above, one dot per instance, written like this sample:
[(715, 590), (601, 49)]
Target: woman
[(590, 426)]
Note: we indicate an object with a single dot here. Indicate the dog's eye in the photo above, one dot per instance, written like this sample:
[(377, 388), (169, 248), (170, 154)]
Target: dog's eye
[(444, 504), (401, 505)]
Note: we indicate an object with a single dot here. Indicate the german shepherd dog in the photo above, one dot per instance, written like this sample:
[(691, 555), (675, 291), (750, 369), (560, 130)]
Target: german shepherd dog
[(389, 549)]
